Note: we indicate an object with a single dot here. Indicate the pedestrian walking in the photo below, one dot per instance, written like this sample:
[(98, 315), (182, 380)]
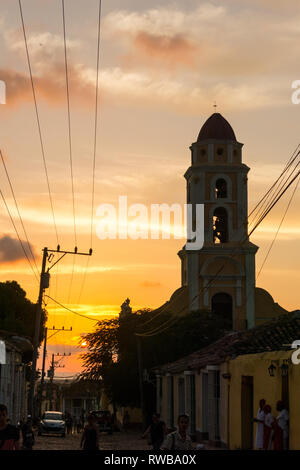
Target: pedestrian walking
[(260, 418), (157, 432), (90, 435), (28, 435), (179, 440), (69, 424), (268, 428), (126, 421), (9, 434), (77, 425)]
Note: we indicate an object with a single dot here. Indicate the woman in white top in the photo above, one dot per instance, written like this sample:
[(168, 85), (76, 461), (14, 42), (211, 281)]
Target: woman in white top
[(260, 418), (281, 427), (268, 427)]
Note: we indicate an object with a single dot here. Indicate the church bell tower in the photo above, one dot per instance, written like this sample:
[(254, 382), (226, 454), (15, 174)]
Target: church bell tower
[(220, 276)]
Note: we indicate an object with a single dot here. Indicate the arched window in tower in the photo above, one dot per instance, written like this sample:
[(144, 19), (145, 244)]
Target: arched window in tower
[(221, 305), (221, 189), (220, 225)]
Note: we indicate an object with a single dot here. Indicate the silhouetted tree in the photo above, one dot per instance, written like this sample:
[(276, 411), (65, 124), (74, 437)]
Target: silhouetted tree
[(17, 313), (112, 347)]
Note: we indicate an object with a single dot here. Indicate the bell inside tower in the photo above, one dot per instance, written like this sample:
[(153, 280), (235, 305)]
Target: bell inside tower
[(221, 189), (220, 225)]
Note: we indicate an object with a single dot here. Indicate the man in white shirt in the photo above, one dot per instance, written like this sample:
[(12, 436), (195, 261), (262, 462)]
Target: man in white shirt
[(179, 440)]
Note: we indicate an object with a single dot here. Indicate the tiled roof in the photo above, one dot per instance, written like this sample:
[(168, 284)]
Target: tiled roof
[(272, 336)]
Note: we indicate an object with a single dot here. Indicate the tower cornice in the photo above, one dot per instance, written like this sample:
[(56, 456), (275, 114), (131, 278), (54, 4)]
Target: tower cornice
[(204, 167)]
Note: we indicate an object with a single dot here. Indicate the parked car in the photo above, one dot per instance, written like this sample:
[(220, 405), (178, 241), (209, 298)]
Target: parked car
[(104, 420), (52, 422)]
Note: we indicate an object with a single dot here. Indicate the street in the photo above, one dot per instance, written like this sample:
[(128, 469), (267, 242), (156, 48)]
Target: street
[(116, 441)]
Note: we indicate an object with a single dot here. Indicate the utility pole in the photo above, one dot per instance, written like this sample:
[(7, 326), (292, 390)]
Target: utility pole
[(140, 366), (44, 284), (51, 373), (44, 359)]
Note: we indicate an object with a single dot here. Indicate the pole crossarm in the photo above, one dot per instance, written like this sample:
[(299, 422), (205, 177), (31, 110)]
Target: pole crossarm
[(75, 252), (44, 284)]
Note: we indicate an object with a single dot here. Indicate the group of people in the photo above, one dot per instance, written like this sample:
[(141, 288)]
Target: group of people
[(161, 440), (74, 424), (272, 432), (10, 435)]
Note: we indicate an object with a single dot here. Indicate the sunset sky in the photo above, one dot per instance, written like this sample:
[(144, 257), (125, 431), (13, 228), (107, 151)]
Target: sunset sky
[(163, 65)]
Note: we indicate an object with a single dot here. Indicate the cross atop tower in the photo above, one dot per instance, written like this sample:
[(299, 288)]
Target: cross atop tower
[(215, 105)]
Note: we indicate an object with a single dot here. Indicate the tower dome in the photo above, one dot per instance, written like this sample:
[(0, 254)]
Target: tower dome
[(216, 127)]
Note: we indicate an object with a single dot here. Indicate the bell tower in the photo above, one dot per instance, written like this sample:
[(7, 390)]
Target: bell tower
[(221, 276)]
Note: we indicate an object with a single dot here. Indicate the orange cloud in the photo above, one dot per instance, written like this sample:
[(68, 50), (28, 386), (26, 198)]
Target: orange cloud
[(49, 84), (172, 49), (150, 284)]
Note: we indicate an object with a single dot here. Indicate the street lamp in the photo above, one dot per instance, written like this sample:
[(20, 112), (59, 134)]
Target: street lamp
[(271, 370), (284, 369)]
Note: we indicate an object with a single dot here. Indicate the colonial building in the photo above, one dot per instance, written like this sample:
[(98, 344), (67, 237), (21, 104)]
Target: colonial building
[(221, 275), (16, 354), (220, 386)]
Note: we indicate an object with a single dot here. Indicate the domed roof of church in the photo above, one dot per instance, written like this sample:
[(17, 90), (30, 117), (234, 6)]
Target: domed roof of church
[(216, 127)]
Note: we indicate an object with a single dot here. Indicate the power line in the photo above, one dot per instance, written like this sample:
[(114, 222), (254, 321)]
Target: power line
[(70, 310), (273, 204), (70, 140), (279, 227), (69, 119), (96, 120), (165, 325), (38, 120), (95, 147), (276, 192), (273, 191), (83, 280), (288, 164), (17, 207), (17, 233)]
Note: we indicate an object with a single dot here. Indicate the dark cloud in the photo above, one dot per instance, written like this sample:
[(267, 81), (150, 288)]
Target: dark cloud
[(11, 250)]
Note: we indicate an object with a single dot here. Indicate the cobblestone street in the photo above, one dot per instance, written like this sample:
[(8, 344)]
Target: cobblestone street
[(116, 441)]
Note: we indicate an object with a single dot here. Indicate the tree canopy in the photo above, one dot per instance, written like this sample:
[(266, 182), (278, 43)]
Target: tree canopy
[(112, 348), (17, 313)]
